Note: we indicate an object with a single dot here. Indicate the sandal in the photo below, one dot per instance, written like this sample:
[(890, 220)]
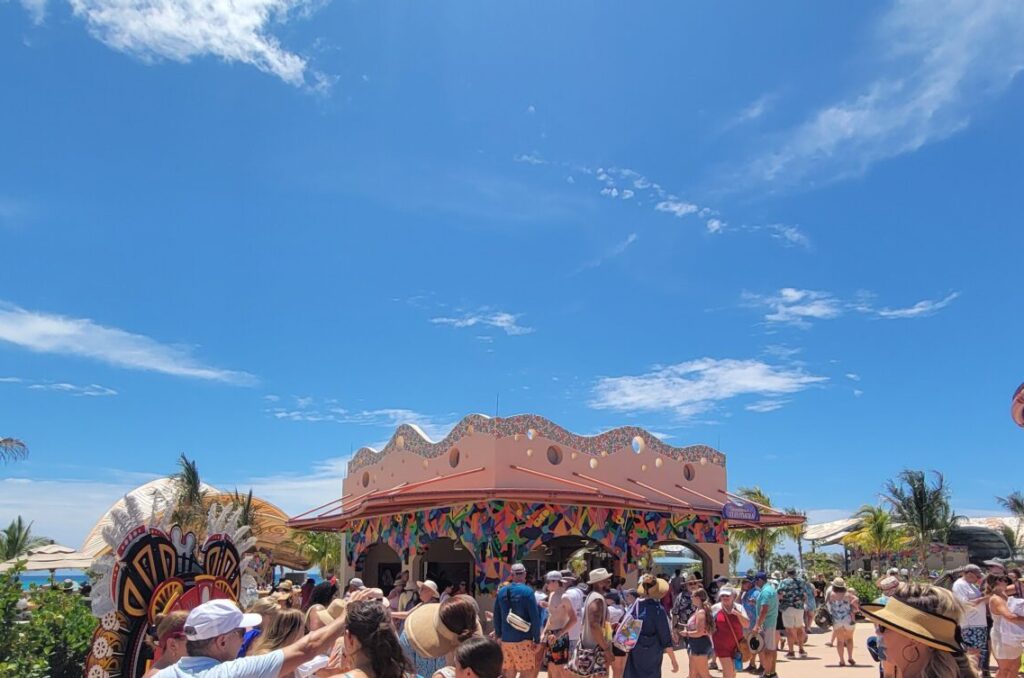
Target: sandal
[(852, 663), (842, 663)]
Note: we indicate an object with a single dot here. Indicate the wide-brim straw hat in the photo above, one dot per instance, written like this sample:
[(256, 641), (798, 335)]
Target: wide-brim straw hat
[(599, 575), (934, 630), (652, 587), (286, 585), (428, 635), (333, 611)]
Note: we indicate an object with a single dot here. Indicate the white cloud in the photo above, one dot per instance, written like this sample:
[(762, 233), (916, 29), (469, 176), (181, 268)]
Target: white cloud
[(766, 405), (615, 251), (530, 159), (678, 208), (789, 235), (531, 109), (940, 61), (755, 110), (81, 337), (921, 308), (852, 376), (309, 410), (715, 225), (297, 492), (694, 387), (857, 393), (507, 322), (36, 9), (795, 307), (181, 30), (92, 390)]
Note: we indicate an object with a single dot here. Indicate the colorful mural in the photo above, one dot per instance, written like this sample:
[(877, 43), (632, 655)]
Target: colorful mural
[(499, 533)]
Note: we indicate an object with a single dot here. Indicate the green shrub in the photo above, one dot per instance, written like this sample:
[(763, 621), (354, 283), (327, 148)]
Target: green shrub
[(864, 588), (55, 640)]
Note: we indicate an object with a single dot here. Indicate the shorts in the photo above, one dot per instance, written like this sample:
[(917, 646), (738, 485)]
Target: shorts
[(975, 638), (1003, 652), (769, 640), (793, 618), (616, 652), (699, 646), (521, 656), (848, 627), (559, 651)]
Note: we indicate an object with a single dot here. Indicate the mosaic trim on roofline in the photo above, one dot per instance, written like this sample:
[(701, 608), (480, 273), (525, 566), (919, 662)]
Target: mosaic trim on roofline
[(499, 533), (411, 439)]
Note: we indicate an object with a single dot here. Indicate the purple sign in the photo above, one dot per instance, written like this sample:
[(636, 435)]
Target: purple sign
[(740, 510)]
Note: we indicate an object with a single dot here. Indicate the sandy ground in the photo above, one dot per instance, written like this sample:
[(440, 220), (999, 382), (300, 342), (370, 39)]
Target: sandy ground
[(821, 660)]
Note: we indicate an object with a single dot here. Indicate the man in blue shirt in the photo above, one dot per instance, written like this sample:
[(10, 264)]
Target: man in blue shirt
[(767, 618), (748, 598), (517, 626)]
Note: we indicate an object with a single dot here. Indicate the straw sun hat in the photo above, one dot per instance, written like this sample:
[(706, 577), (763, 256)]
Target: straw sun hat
[(428, 635), (652, 587), (934, 630)]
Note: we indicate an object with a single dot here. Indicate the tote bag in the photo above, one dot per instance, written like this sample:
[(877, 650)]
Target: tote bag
[(628, 631)]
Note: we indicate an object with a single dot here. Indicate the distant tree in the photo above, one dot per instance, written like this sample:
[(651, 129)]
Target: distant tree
[(782, 562), (17, 540), (190, 505), (12, 449), (735, 551), (759, 542), (322, 549), (796, 533), (922, 508), (1011, 536), (877, 536), (1014, 503), (826, 564)]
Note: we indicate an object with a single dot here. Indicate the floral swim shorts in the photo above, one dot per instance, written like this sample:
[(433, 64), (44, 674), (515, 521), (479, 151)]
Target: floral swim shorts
[(975, 638), (521, 656)]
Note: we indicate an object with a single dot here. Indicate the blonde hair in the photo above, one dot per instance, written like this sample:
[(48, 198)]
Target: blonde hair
[(938, 601), (266, 606), (286, 627)]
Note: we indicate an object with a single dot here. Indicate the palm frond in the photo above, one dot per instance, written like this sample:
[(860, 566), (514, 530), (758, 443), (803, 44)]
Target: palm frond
[(12, 449)]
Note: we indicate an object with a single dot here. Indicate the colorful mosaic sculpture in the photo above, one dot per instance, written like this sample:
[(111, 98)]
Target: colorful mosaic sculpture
[(155, 568), (500, 533)]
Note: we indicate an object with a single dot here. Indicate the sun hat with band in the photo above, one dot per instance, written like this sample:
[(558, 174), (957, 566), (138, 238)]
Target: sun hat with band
[(332, 612), (599, 575), (653, 587), (427, 634), (934, 630), (216, 618)]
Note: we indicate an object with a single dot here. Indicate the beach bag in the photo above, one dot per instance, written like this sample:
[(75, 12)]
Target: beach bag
[(743, 645), (628, 631), (587, 661), (513, 619)]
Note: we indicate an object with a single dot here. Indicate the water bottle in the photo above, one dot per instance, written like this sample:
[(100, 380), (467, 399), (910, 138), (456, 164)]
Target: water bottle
[(737, 660)]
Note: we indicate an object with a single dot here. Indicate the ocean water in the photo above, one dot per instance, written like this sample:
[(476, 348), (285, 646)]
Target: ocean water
[(42, 578)]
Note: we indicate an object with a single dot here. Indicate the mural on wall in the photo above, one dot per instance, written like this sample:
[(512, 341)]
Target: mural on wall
[(499, 533), (155, 568)]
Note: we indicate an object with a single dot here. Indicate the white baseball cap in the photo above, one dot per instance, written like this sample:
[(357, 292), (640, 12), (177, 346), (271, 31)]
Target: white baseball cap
[(215, 618), (356, 583)]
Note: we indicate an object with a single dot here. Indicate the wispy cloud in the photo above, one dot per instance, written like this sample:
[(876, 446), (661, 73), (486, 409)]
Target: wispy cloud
[(753, 111), (81, 337), (921, 308), (799, 307), (677, 208), (298, 492), (940, 62), (181, 30), (485, 317), (852, 376), (796, 307), (695, 387), (766, 405), (307, 409), (91, 390), (616, 250)]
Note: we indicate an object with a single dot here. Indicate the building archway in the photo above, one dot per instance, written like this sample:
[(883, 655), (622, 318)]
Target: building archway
[(381, 566), (447, 561), (569, 552), (673, 554)]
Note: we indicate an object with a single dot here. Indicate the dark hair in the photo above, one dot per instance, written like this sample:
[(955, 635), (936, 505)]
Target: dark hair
[(481, 655), (709, 619), (370, 623), (323, 593), (458, 614), (198, 648), (993, 579), (1014, 570)]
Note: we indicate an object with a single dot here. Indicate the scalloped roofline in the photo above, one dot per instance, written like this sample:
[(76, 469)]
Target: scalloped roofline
[(411, 438)]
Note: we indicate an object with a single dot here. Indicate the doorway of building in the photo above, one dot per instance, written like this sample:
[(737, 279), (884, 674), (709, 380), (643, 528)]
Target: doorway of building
[(381, 567), (448, 562), (571, 552)]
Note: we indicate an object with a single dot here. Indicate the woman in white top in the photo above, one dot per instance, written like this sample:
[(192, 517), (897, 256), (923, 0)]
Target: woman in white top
[(1007, 627)]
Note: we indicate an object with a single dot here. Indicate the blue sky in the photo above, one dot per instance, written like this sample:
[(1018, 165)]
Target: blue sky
[(264, 235)]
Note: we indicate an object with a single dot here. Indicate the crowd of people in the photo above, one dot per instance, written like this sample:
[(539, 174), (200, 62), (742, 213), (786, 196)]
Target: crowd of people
[(595, 627)]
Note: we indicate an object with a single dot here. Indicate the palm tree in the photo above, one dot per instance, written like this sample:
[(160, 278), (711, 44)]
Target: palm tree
[(190, 503), (796, 533), (876, 536), (12, 449), (759, 542), (734, 555), (1014, 503), (17, 540), (322, 549), (922, 508), (1011, 536), (247, 516)]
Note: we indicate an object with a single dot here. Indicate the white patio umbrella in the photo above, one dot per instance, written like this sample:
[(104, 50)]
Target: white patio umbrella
[(50, 558)]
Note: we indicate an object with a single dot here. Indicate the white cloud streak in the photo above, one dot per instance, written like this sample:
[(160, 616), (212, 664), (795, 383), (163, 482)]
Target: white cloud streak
[(81, 337), (940, 61), (485, 317), (678, 208), (766, 405), (691, 388), (90, 390), (921, 308), (306, 409), (181, 30), (615, 251)]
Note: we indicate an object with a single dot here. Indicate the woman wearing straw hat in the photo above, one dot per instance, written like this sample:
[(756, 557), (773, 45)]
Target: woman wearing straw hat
[(918, 634), (843, 605), (655, 639)]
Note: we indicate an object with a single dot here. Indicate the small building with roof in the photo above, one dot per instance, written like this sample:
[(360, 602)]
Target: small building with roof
[(496, 491)]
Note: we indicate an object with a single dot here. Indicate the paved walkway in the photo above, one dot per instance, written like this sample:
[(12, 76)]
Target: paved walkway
[(821, 660)]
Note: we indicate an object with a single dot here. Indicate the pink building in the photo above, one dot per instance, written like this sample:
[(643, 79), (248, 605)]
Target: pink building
[(523, 489)]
